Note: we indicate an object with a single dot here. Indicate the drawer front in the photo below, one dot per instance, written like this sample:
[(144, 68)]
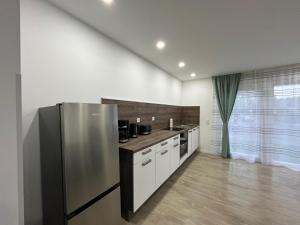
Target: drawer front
[(144, 154), (162, 166), (163, 145), (143, 181), (176, 139), (105, 211)]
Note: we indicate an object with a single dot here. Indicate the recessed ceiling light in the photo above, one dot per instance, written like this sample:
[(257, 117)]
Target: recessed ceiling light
[(160, 45), (193, 74), (108, 2), (181, 64)]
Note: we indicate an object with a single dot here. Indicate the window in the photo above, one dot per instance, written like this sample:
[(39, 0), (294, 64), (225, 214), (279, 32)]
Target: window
[(265, 122)]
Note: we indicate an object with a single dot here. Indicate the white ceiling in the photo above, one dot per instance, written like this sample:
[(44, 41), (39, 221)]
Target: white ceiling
[(212, 36)]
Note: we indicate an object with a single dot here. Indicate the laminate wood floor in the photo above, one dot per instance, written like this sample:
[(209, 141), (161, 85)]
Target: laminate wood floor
[(208, 190)]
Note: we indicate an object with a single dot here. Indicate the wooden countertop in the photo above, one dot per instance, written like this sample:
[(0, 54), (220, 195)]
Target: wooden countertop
[(156, 136)]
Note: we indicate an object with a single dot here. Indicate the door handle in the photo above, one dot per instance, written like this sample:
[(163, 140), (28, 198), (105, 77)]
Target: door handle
[(146, 152), (163, 144), (164, 152), (147, 162)]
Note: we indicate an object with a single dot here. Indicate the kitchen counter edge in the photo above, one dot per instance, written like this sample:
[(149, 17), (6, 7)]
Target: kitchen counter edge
[(136, 145)]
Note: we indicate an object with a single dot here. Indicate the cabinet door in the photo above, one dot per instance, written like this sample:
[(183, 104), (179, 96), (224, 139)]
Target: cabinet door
[(190, 142), (143, 180), (162, 166), (195, 138), (175, 154), (198, 138)]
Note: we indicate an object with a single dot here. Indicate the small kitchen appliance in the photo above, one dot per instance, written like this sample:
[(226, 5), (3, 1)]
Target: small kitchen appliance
[(145, 129), (123, 131), (133, 130)]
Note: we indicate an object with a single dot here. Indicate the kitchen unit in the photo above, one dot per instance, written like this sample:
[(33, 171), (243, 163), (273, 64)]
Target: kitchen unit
[(163, 162), (146, 163), (193, 140), (80, 164), (190, 144), (175, 154)]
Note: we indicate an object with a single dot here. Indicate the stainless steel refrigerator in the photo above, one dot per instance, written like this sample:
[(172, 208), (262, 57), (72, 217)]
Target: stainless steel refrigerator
[(80, 164)]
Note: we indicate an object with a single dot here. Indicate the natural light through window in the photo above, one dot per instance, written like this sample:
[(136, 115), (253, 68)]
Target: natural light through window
[(287, 91)]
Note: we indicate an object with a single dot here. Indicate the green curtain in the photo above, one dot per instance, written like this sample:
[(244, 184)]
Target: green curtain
[(226, 88)]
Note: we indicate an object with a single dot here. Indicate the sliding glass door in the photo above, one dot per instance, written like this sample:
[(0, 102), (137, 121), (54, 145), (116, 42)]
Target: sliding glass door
[(265, 123)]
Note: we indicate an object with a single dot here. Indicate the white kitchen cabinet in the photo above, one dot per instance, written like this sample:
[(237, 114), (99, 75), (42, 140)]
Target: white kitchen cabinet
[(175, 154), (198, 137), (143, 177), (195, 139), (190, 142), (153, 166), (162, 158)]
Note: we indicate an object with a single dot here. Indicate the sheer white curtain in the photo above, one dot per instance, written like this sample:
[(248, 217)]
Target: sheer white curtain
[(265, 122)]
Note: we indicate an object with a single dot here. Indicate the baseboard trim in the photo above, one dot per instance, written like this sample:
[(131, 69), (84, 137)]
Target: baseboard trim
[(209, 152)]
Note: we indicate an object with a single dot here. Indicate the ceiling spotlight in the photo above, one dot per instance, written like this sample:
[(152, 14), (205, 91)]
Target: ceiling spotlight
[(108, 2), (181, 64), (160, 45), (193, 74)]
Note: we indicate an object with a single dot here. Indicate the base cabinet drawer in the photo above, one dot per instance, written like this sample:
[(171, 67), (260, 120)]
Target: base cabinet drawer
[(143, 181), (105, 211)]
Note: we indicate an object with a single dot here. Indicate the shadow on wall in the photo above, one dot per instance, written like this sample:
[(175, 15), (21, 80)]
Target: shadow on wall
[(32, 175)]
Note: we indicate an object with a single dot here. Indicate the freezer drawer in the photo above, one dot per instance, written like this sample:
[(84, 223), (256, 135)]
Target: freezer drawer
[(107, 211)]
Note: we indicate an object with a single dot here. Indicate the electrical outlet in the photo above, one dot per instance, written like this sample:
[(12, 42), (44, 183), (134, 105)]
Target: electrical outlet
[(138, 120), (153, 118)]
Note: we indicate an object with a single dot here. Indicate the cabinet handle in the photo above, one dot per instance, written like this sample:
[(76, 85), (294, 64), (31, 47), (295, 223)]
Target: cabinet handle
[(147, 162), (175, 138), (194, 129), (163, 144), (190, 131), (164, 152), (176, 145), (146, 152)]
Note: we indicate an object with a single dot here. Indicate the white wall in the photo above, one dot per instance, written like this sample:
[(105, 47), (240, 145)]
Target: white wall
[(64, 60), (11, 189), (200, 92)]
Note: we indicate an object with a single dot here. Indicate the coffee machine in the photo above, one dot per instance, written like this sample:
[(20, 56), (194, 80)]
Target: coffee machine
[(123, 131), (133, 130)]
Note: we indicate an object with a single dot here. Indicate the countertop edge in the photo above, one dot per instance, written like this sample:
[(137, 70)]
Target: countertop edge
[(172, 134)]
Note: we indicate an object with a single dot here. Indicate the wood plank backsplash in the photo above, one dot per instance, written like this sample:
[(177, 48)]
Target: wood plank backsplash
[(131, 110)]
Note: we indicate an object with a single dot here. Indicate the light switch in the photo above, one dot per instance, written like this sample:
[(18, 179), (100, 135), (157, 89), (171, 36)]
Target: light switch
[(153, 118), (138, 120)]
